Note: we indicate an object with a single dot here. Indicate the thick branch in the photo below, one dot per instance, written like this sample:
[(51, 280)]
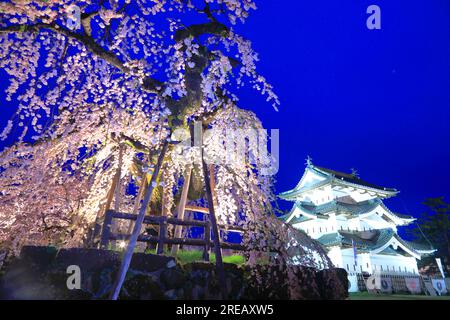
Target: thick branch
[(193, 76), (149, 84), (196, 30)]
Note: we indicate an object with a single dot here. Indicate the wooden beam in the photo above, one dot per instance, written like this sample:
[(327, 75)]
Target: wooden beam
[(157, 219), (162, 235), (179, 241), (196, 209)]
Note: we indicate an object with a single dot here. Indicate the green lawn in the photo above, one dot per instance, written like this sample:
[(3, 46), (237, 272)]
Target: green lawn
[(187, 256), (194, 255), (367, 296)]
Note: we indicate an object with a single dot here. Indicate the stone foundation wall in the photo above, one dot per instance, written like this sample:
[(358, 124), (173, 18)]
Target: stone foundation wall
[(40, 273)]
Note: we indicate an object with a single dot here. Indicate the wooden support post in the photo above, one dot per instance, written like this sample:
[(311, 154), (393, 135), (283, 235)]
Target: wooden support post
[(106, 231), (162, 235), (117, 192), (119, 174), (138, 201), (164, 201), (215, 229), (181, 208), (137, 227), (110, 195), (212, 179), (104, 209), (207, 241)]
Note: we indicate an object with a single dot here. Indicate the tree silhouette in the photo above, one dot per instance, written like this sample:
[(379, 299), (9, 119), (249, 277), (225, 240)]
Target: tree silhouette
[(434, 225)]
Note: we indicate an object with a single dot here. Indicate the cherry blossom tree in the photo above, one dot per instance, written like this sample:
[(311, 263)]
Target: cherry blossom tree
[(104, 89)]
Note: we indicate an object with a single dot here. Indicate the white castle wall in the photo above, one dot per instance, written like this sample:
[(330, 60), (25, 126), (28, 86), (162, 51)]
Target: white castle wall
[(370, 263)]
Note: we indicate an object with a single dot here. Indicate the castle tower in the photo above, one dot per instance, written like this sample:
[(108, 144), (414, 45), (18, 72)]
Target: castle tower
[(348, 217)]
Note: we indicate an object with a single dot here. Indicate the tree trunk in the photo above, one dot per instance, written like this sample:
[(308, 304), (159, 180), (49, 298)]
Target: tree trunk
[(212, 217), (448, 250), (105, 207), (215, 230), (181, 208), (137, 227), (114, 226)]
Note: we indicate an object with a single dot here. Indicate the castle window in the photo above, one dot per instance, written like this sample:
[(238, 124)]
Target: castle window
[(381, 266), (348, 268), (367, 265), (406, 270), (320, 229)]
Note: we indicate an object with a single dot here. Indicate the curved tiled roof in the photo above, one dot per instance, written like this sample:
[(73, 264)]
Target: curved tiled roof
[(299, 219), (336, 205), (354, 209), (332, 176), (284, 217), (370, 240), (330, 239), (351, 178)]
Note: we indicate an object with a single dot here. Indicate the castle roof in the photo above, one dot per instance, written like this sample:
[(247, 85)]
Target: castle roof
[(340, 206), (378, 241), (334, 178), (351, 178)]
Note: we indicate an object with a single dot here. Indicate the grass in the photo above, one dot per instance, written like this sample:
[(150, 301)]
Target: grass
[(184, 256), (188, 256), (368, 296)]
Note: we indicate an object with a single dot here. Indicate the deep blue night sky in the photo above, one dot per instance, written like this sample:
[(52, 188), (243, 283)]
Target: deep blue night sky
[(374, 100)]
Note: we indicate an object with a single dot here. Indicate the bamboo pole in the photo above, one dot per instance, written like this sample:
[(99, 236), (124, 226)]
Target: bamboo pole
[(138, 201), (137, 227)]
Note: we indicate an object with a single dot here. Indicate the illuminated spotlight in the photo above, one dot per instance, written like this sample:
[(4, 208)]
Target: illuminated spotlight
[(122, 244)]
